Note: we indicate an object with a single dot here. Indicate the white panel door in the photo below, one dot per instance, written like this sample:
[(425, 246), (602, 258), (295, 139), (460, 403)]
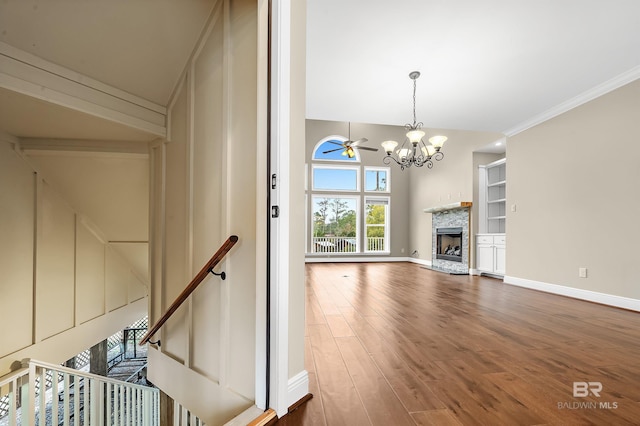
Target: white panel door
[(500, 254)]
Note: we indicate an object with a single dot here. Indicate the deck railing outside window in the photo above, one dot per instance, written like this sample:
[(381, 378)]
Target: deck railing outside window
[(346, 244)]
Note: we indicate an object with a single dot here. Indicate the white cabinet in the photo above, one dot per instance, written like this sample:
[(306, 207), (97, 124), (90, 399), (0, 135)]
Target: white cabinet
[(490, 253)]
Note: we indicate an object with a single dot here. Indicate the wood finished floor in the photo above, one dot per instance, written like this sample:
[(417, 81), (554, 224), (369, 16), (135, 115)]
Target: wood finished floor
[(396, 344)]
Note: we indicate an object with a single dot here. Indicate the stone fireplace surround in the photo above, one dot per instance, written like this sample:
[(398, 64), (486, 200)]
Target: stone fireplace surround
[(451, 216)]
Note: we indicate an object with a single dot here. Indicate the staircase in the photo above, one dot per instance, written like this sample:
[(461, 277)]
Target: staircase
[(47, 394)]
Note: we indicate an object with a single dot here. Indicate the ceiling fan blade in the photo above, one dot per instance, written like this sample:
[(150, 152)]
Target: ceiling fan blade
[(362, 140), (336, 143), (332, 150), (366, 148)]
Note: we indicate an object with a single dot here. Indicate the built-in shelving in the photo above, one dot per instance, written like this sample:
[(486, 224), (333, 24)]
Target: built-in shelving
[(492, 210), (493, 197)]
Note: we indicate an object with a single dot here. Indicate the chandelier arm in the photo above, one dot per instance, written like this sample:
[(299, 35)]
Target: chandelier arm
[(387, 160)]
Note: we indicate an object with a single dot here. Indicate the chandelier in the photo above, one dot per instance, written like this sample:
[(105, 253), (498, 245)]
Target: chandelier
[(414, 151)]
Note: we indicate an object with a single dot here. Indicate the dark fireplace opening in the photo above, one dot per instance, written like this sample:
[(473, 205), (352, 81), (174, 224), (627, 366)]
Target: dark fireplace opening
[(449, 244)]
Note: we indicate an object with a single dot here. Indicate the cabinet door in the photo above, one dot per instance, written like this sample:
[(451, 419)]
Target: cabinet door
[(500, 252), (484, 257)]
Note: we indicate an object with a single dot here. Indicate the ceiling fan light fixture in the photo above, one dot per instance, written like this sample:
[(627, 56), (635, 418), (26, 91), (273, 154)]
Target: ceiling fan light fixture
[(349, 152)]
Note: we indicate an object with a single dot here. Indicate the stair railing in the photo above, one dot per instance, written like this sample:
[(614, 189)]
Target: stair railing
[(46, 394), (195, 282)]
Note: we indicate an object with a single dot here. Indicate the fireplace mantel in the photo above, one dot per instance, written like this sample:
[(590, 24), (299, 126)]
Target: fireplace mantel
[(452, 206)]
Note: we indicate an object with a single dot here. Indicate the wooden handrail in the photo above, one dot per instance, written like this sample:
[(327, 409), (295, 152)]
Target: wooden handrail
[(217, 257)]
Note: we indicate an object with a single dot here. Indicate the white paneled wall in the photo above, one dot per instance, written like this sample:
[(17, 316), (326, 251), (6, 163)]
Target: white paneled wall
[(90, 274), (59, 280), (55, 264), (205, 189), (17, 216)]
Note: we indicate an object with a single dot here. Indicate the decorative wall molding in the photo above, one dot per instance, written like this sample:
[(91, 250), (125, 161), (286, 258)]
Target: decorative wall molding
[(576, 293), (9, 138), (29, 75), (65, 146), (601, 89)]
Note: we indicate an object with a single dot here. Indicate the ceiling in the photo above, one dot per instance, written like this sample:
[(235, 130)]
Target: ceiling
[(486, 65), (139, 46)]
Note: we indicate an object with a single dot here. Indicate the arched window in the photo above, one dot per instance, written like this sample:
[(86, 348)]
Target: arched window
[(337, 152)]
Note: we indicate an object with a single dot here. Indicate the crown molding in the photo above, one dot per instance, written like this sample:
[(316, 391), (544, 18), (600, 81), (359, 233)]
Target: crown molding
[(591, 94)]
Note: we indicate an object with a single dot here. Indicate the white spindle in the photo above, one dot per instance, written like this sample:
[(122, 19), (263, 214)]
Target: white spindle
[(67, 382)]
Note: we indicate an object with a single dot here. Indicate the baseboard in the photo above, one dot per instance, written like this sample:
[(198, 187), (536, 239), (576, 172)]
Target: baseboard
[(353, 259), (297, 388), (419, 261), (576, 293)]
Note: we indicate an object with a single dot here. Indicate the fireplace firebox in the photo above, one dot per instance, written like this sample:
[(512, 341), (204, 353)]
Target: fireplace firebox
[(449, 244)]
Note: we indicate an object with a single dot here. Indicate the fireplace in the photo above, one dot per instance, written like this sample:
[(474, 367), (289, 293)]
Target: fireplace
[(449, 244)]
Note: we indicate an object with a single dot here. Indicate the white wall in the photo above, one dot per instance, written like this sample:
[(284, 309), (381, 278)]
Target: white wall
[(56, 298), (574, 181), (296, 148)]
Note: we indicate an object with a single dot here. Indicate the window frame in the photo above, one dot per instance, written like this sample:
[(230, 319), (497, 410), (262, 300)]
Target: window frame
[(315, 167), (387, 170), (357, 238), (387, 224)]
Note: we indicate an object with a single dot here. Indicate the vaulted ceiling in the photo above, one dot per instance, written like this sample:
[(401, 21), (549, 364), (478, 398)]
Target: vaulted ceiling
[(486, 65)]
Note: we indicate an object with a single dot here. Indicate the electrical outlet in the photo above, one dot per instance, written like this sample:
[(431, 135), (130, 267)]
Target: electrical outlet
[(582, 272), (402, 250)]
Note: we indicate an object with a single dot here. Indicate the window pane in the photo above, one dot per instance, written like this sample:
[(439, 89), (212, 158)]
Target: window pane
[(334, 225), (375, 180), (335, 179), (376, 213)]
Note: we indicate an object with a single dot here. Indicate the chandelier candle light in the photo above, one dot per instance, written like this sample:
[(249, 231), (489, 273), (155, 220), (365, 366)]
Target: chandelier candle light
[(414, 151)]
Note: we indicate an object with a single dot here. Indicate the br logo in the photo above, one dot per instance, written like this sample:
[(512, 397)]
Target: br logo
[(583, 389)]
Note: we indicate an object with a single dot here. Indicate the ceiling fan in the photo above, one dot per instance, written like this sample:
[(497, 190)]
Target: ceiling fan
[(349, 145)]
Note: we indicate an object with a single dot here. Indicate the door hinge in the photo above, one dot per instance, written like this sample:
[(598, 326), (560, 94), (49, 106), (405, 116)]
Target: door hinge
[(275, 211), (274, 180)]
